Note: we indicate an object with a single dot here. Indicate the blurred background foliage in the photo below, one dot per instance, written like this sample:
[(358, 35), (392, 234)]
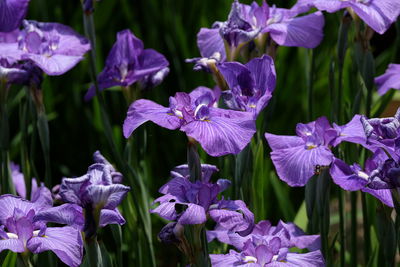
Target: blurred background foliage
[(170, 27)]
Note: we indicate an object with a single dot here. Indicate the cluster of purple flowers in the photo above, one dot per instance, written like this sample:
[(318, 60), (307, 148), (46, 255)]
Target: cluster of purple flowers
[(89, 202), (296, 158)]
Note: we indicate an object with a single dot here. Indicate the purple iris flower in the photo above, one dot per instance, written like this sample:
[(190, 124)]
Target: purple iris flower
[(12, 12), (22, 231), (219, 131), (98, 193), (128, 62), (251, 85), (390, 79), (269, 246), (383, 133), (187, 202), (298, 158), (377, 14), (374, 180), (251, 22), (192, 202), (53, 47)]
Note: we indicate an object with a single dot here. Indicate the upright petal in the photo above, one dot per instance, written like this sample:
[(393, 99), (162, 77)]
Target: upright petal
[(18, 180), (107, 196), (65, 242), (225, 132), (143, 110), (352, 132), (305, 31), (210, 42)]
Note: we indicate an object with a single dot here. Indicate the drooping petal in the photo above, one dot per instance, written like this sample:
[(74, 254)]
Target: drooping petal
[(194, 214), (305, 31), (111, 217), (55, 64), (277, 142), (389, 80), (384, 195), (312, 259), (345, 177), (225, 132), (13, 244), (12, 12), (166, 209), (144, 110), (69, 214), (296, 165), (65, 242), (378, 14), (210, 42)]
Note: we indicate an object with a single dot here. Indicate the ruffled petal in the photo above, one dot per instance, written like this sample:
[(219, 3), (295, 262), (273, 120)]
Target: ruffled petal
[(144, 110), (65, 242)]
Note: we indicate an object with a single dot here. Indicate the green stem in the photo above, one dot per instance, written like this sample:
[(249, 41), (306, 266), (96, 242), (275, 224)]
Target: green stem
[(93, 252), (341, 228), (310, 84), (354, 227)]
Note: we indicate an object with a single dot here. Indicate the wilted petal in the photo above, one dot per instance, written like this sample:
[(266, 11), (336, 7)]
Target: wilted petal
[(296, 165), (65, 242), (389, 80), (144, 110), (305, 31), (225, 132), (111, 217), (107, 196), (12, 12)]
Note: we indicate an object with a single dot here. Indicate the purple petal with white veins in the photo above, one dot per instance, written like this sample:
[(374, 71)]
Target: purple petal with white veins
[(12, 12), (143, 110), (225, 132), (210, 42), (384, 195), (263, 70), (277, 142), (176, 187), (166, 209), (10, 203), (231, 259), (70, 188), (389, 80), (311, 259), (111, 217), (65, 242), (194, 214), (107, 196), (299, 239), (296, 165), (69, 214), (13, 244), (305, 31)]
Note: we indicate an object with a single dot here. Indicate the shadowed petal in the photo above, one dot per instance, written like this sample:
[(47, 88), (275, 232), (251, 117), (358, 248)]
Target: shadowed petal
[(209, 42), (111, 217), (12, 12), (107, 196)]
